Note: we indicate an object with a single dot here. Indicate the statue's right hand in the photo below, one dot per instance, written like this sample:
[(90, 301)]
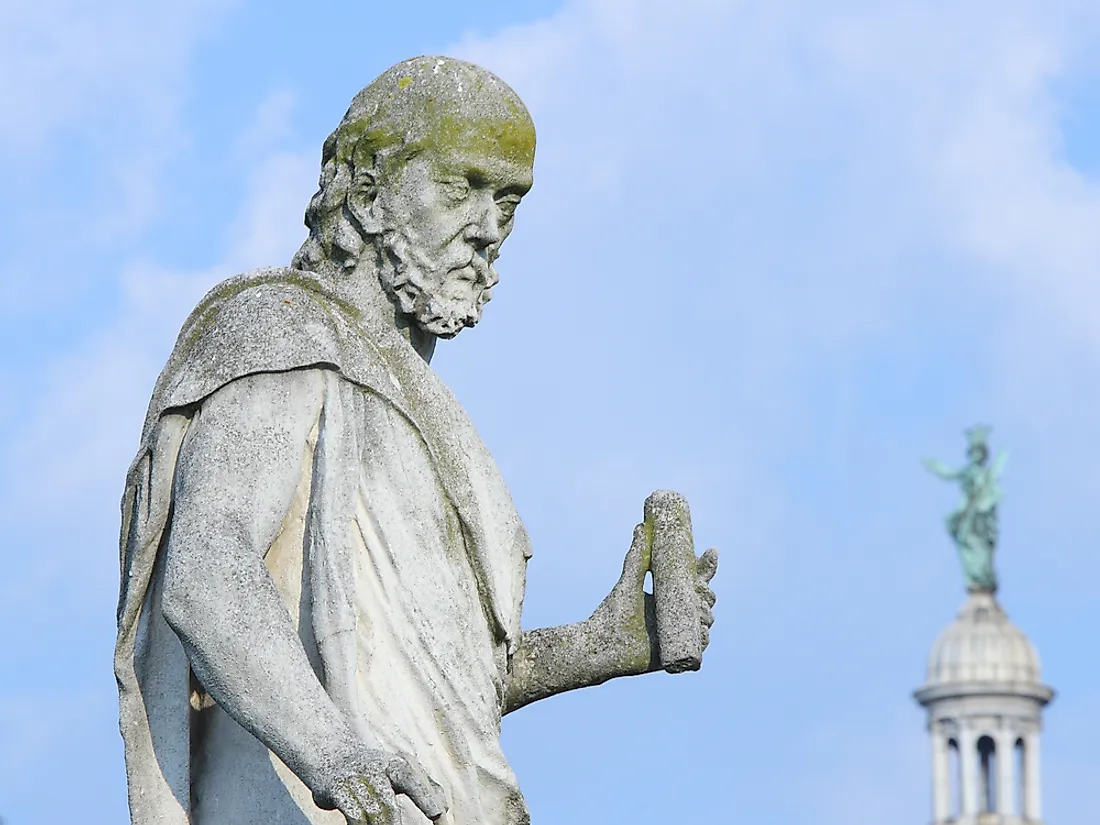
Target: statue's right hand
[(365, 786), (936, 467)]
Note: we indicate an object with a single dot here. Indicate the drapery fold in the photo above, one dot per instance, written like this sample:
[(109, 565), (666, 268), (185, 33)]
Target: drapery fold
[(272, 321)]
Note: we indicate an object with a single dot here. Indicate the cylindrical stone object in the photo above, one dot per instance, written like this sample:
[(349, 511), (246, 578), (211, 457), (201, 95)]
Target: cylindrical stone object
[(672, 563)]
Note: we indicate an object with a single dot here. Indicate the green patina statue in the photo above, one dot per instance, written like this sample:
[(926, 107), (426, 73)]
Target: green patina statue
[(973, 526)]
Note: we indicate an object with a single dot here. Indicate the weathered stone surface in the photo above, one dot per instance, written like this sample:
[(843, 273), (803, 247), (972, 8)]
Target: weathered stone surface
[(322, 569), (673, 564)]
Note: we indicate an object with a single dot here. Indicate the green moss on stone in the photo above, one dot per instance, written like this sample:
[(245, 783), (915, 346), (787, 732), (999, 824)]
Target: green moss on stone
[(462, 110)]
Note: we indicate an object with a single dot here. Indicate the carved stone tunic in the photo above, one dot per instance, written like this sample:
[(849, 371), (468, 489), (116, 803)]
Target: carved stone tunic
[(400, 559)]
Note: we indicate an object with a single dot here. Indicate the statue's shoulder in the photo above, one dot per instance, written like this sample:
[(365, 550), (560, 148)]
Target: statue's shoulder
[(263, 301), (268, 320)]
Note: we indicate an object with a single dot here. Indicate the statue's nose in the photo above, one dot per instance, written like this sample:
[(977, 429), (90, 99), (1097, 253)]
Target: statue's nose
[(484, 230)]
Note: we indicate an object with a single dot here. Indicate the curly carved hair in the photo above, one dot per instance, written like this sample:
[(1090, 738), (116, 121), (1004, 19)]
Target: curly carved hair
[(423, 104)]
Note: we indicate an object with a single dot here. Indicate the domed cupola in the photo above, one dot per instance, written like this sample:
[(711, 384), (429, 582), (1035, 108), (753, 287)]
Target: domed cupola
[(983, 648)]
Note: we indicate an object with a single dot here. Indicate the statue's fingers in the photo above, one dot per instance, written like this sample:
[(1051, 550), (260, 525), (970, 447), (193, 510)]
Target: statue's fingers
[(706, 594), (378, 801), (707, 565), (706, 616), (347, 803), (408, 778)]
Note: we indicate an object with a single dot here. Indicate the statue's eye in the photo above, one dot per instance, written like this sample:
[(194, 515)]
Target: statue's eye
[(457, 189), (507, 206)]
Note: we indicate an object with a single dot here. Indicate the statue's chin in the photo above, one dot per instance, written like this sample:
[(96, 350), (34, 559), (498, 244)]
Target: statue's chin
[(445, 317), (446, 327)]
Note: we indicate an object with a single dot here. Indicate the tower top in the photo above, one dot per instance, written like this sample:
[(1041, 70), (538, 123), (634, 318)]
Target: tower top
[(983, 653)]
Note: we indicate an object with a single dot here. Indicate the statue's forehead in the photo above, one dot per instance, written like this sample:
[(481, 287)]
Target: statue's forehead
[(490, 168), (478, 134)]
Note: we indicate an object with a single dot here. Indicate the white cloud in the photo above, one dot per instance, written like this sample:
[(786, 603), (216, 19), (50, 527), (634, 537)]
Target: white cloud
[(89, 402), (943, 116), (93, 96), (270, 229), (70, 65), (272, 124), (969, 95)]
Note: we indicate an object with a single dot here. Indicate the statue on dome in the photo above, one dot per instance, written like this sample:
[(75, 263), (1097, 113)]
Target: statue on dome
[(973, 526)]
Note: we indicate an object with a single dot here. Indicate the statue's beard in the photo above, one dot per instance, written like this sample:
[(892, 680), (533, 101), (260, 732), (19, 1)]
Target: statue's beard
[(442, 297)]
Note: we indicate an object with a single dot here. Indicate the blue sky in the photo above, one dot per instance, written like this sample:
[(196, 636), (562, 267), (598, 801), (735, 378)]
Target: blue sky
[(775, 253)]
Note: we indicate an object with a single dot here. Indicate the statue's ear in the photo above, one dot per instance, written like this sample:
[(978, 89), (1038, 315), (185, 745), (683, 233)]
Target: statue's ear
[(361, 196)]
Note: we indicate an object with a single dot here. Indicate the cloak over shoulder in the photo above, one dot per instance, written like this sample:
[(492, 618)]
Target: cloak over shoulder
[(269, 321)]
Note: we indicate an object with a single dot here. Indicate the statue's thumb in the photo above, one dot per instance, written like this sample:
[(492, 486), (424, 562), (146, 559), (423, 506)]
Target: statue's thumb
[(707, 565), (409, 779), (636, 564)]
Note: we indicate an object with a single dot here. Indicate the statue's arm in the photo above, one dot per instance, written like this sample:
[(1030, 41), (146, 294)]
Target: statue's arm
[(554, 660), (618, 639), (238, 469), (239, 466), (940, 470)]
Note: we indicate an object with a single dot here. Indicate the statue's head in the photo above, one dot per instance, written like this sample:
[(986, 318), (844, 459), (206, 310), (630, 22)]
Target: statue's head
[(977, 449), (424, 174)]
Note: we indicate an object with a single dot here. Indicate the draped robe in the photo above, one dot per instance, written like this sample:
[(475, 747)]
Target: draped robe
[(401, 560)]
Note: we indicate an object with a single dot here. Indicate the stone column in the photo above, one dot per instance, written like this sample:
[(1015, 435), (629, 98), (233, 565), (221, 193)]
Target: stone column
[(941, 778), (1032, 801), (968, 761), (1006, 773)]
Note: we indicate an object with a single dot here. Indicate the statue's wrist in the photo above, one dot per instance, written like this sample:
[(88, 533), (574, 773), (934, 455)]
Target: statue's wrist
[(623, 647), (321, 767)]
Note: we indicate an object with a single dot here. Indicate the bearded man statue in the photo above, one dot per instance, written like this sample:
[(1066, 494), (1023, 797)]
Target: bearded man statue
[(322, 569)]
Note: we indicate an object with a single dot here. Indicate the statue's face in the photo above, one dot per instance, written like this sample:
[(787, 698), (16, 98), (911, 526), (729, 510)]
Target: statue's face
[(978, 454), (444, 217)]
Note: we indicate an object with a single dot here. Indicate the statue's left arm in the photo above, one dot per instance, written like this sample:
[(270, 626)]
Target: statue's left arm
[(940, 470), (618, 639)]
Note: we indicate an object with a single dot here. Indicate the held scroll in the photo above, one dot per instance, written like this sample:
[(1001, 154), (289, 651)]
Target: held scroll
[(672, 564)]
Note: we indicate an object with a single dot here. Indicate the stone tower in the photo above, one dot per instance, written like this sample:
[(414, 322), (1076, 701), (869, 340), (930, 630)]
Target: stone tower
[(983, 694), (985, 701)]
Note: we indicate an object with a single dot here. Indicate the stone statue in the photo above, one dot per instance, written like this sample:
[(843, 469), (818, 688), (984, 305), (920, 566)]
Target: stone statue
[(322, 569), (973, 526)]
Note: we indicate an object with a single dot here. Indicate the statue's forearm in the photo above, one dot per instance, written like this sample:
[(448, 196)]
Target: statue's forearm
[(556, 659), (244, 650)]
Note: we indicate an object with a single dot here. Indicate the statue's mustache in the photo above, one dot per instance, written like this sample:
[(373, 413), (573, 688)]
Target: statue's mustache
[(486, 273)]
